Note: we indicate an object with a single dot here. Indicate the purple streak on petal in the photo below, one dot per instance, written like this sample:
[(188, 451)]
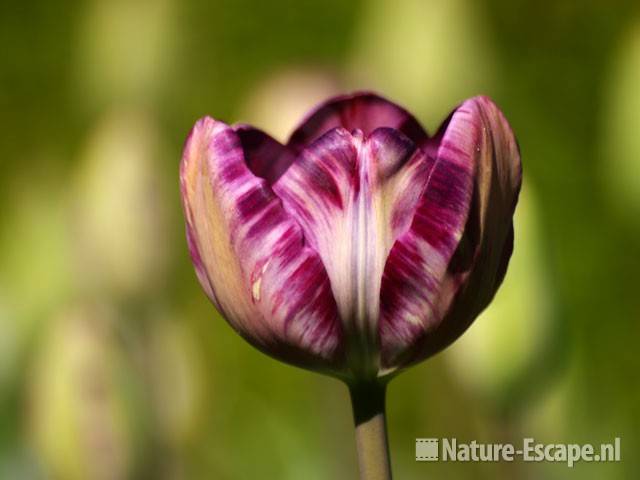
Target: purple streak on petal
[(359, 111), (319, 182), (403, 170)]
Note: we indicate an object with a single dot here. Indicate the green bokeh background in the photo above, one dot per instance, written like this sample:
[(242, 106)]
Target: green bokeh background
[(113, 364)]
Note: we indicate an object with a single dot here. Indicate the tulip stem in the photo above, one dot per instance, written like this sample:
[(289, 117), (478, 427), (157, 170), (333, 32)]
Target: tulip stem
[(368, 402)]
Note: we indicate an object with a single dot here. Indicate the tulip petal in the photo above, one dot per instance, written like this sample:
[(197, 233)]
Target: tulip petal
[(266, 157), (360, 111), (353, 195), (447, 267), (250, 255)]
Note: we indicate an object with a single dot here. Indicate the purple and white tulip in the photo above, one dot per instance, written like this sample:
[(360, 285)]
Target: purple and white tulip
[(363, 245)]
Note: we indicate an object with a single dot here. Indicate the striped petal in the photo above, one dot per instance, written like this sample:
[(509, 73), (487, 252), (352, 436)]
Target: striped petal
[(360, 111), (353, 195), (250, 255), (446, 268)]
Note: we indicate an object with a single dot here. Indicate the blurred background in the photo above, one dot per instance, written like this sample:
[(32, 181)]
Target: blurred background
[(113, 364)]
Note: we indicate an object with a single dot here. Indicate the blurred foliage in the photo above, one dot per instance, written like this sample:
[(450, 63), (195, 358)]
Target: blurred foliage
[(113, 364)]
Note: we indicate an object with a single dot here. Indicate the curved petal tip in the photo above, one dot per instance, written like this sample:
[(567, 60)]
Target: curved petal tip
[(363, 111)]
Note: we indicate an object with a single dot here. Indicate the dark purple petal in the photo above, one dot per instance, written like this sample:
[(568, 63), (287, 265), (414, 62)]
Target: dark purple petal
[(360, 111)]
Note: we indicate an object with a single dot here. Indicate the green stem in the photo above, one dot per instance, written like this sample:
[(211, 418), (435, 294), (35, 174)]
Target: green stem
[(368, 402)]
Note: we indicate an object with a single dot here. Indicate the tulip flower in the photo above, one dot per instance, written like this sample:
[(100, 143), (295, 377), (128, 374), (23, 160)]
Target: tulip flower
[(360, 247)]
